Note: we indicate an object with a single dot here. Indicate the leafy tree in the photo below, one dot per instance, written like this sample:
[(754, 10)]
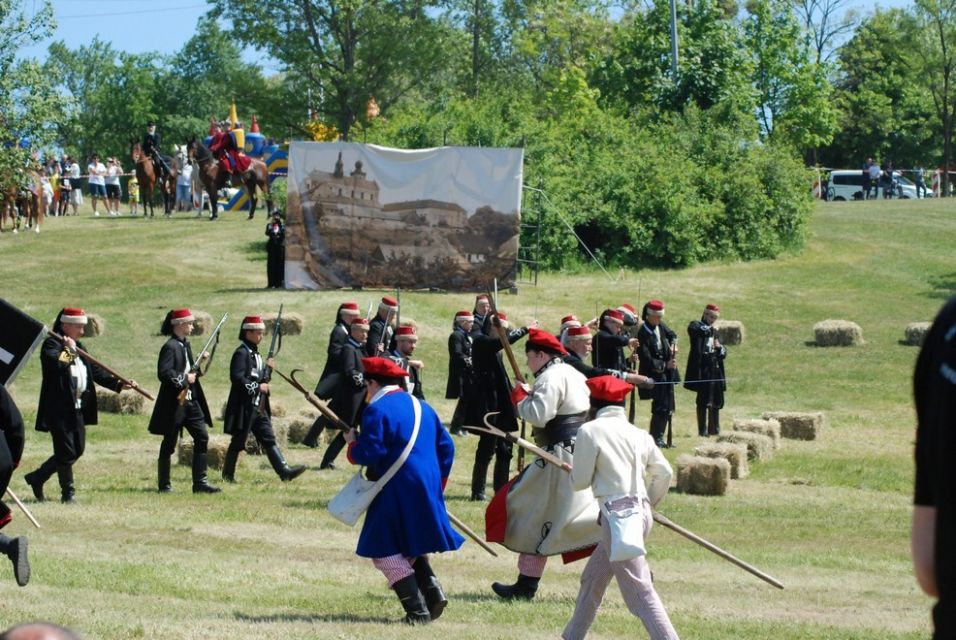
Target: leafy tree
[(826, 23), (938, 47)]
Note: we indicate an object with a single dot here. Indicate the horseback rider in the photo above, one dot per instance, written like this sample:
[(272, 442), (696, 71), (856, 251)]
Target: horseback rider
[(224, 148), (151, 148)]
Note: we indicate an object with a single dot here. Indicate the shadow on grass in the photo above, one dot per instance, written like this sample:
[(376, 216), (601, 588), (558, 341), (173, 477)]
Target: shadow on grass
[(318, 617), (255, 250), (943, 286), (306, 504)]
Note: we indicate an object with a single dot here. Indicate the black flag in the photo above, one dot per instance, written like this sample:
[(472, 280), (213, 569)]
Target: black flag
[(21, 335)]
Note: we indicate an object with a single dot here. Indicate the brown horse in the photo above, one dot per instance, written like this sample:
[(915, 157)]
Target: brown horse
[(146, 175), (17, 203), (213, 178)]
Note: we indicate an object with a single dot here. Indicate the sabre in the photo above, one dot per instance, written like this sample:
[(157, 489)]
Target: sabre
[(23, 508), (86, 356)]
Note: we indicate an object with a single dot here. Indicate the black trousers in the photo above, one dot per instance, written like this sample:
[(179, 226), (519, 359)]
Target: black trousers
[(275, 266), (6, 469), (261, 428), (194, 422)]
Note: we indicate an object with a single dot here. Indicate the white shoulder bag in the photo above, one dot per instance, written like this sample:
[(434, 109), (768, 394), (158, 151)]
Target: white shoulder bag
[(356, 496), (624, 518)]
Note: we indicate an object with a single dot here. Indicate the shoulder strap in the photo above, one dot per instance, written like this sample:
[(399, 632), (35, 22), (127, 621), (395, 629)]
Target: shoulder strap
[(392, 470)]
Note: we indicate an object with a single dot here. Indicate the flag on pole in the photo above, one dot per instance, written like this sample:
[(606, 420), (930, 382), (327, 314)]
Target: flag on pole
[(21, 335)]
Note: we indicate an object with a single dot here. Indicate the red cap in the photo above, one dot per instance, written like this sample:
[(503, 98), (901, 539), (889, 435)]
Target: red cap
[(544, 341), (615, 316), (609, 389), (464, 316), (390, 302), (579, 333), (406, 332), (72, 315), (502, 316), (351, 308), (360, 321), (655, 308), (712, 309), (181, 316), (570, 321), (628, 310), (382, 367), (253, 322)]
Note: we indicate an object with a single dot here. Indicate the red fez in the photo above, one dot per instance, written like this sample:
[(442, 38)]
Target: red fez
[(181, 316), (615, 316), (628, 309), (570, 321), (72, 315), (382, 368), (713, 310), (406, 332), (253, 323), (360, 322), (609, 389), (351, 308), (655, 308), (543, 341), (464, 316), (388, 301), (579, 333)]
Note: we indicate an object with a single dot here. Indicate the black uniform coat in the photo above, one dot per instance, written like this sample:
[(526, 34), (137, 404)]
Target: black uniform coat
[(705, 362), (376, 330), (607, 350), (491, 388), (653, 364), (459, 363), (331, 374), (245, 374), (583, 367), (171, 370), (275, 253), (414, 375), (350, 392), (11, 446), (151, 143), (58, 389)]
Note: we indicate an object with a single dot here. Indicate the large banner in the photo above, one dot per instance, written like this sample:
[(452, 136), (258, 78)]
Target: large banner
[(362, 215), (20, 336)]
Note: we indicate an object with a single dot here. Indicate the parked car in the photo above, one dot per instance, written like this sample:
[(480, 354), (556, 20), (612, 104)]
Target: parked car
[(847, 184)]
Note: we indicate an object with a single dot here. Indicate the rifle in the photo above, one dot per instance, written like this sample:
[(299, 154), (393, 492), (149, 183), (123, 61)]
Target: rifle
[(380, 348), (506, 346), (693, 537), (86, 356), (670, 416), (181, 398), (274, 347)]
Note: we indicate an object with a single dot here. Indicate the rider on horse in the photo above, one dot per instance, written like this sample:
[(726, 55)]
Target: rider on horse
[(151, 149), (224, 148)]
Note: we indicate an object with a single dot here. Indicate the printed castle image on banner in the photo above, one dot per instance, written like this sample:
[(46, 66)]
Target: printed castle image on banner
[(362, 215)]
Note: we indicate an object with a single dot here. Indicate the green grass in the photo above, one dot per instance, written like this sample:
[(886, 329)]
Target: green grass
[(829, 518)]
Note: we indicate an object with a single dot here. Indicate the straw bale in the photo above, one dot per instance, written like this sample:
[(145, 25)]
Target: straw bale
[(281, 430), (735, 454), (796, 425), (203, 324), (769, 427), (702, 476), (292, 323), (216, 451), (759, 447), (95, 326), (916, 332), (276, 409), (298, 428), (837, 333), (731, 331), (126, 402)]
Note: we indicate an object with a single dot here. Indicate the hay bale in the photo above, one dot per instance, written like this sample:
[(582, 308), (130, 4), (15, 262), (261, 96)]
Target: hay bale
[(730, 331), (126, 403), (292, 323), (769, 427), (278, 409), (298, 428), (203, 324), (702, 476), (216, 452), (916, 332), (734, 454), (281, 430), (95, 326), (759, 447), (796, 425), (837, 333)]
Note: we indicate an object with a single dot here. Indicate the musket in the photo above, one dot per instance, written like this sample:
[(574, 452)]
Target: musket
[(693, 537), (670, 416), (274, 347), (86, 356), (506, 346), (195, 368), (23, 508)]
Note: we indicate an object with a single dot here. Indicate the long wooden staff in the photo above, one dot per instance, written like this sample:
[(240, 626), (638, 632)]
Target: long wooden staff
[(338, 423), (23, 508), (518, 377), (693, 537), (86, 356)]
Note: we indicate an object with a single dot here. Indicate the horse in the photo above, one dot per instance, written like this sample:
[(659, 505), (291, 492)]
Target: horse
[(146, 175), (213, 178), (17, 202)]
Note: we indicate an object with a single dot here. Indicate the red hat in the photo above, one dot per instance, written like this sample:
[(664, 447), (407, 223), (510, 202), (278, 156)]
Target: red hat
[(360, 321), (181, 316), (405, 332), (713, 310), (382, 368), (579, 333), (482, 296), (502, 316), (253, 323), (628, 309), (570, 321), (615, 316), (655, 308), (72, 315), (464, 316), (349, 308), (609, 389), (388, 301), (543, 341)]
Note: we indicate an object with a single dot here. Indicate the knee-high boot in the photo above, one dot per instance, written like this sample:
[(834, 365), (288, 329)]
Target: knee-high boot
[(412, 601), (16, 549), (67, 488), (428, 584), (714, 422), (479, 475), (229, 465), (311, 439), (37, 478), (658, 425), (334, 447), (163, 473), (282, 468), (200, 481), (701, 421)]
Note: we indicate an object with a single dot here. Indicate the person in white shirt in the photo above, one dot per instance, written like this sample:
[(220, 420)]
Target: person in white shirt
[(97, 172), (76, 193), (611, 460), (184, 197), (112, 181)]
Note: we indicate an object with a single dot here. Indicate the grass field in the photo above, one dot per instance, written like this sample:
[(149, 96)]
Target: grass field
[(829, 518)]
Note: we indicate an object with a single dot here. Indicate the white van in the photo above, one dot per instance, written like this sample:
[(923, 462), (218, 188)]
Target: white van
[(847, 184)]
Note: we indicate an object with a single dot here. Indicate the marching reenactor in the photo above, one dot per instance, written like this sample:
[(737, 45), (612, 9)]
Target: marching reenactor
[(460, 367), (489, 392), (405, 342), (247, 409), (611, 460), (381, 328), (407, 520), (705, 371), (151, 149), (657, 352), (567, 322), (330, 378), (177, 378), (349, 395), (11, 450), (610, 341), (480, 312), (275, 251), (538, 514), (67, 401), (578, 344)]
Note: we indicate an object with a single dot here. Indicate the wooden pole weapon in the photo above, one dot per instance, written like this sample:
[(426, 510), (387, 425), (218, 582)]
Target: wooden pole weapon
[(509, 352), (86, 356), (693, 537), (23, 508), (471, 534)]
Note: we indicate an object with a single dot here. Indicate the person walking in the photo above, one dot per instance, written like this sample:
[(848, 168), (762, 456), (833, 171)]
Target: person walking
[(11, 450), (460, 367)]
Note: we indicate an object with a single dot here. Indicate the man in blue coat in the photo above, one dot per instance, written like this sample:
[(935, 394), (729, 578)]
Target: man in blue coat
[(407, 520)]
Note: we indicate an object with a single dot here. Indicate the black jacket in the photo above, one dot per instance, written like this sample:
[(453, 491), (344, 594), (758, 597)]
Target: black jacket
[(491, 388), (376, 330), (583, 367), (151, 143), (460, 371), (171, 370), (653, 364), (330, 377), (349, 395), (58, 389), (704, 362), (607, 350), (245, 373), (414, 375), (276, 236), (11, 423)]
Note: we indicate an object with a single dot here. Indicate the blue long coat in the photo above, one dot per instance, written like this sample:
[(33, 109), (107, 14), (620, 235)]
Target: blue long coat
[(408, 516)]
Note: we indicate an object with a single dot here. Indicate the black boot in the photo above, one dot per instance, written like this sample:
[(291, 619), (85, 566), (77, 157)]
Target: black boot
[(702, 421), (714, 420), (67, 488), (311, 439), (428, 584), (281, 467), (479, 474), (658, 424), (229, 465), (16, 550), (334, 448), (501, 473), (200, 482), (412, 600), (163, 483), (523, 589), (37, 478)]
